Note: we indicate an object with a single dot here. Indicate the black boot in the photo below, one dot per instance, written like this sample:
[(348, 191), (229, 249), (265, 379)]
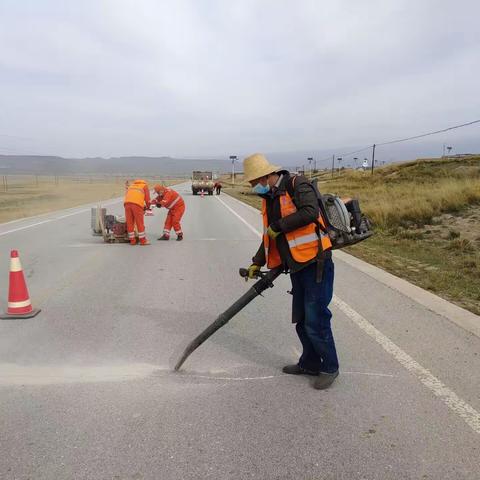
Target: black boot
[(297, 370), (179, 237), (164, 237)]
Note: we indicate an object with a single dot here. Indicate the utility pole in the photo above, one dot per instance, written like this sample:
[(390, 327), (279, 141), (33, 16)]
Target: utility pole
[(310, 160), (233, 158), (333, 164), (373, 157)]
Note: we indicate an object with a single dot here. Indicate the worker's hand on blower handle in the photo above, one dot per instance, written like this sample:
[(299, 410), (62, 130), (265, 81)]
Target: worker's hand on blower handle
[(253, 272)]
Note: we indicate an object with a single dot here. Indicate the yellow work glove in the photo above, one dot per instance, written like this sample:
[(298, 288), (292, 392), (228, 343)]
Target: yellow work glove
[(253, 270), (272, 233)]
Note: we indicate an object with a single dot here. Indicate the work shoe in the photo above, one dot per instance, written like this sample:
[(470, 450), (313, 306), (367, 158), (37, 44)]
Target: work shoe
[(164, 237), (324, 380), (179, 237), (133, 242), (145, 242), (297, 370)]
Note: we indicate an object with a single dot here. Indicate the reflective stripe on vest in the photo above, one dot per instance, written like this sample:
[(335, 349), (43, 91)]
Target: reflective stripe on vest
[(295, 242), (303, 242), (173, 203)]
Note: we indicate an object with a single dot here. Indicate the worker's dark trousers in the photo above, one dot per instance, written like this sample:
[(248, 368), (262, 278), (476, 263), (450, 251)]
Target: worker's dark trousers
[(312, 316)]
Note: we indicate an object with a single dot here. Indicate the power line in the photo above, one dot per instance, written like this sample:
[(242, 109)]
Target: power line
[(429, 133), (356, 151), (343, 155)]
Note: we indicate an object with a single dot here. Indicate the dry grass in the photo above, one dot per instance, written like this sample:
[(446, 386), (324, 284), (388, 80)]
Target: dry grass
[(412, 193), (426, 215), (28, 196)]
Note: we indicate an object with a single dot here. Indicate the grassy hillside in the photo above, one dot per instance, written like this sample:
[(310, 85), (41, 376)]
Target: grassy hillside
[(426, 215)]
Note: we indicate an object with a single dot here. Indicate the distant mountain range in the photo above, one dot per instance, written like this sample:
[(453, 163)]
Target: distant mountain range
[(51, 165), (168, 166)]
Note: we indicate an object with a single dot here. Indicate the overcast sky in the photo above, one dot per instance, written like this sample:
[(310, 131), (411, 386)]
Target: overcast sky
[(206, 77)]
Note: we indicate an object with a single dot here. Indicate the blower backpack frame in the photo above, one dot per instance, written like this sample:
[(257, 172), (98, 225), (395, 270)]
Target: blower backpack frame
[(345, 222)]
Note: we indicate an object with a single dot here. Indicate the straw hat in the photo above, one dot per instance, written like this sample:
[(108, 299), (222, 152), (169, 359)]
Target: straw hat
[(257, 166)]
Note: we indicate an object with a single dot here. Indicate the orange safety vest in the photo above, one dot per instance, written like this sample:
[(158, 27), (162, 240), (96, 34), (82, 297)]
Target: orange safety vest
[(137, 193), (303, 242)]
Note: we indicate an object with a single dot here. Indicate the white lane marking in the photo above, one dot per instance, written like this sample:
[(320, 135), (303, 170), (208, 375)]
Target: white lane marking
[(448, 396), (243, 204), (268, 377), (84, 245), (463, 318), (368, 374), (25, 227), (232, 379), (15, 375), (41, 223), (287, 376), (253, 229), (54, 219)]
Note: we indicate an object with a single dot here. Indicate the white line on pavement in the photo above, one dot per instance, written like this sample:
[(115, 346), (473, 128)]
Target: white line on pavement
[(52, 219), (463, 318), (448, 396), (253, 229), (41, 223)]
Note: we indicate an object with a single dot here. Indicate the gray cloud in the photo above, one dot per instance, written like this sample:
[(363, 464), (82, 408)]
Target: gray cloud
[(211, 77)]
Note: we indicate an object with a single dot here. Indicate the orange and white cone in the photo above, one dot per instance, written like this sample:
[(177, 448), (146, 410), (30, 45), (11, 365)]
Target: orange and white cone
[(19, 304)]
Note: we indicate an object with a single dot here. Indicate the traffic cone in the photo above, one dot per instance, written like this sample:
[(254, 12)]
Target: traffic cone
[(19, 305), (202, 193)]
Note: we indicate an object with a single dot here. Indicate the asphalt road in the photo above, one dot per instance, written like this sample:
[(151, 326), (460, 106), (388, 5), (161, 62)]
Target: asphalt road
[(87, 389)]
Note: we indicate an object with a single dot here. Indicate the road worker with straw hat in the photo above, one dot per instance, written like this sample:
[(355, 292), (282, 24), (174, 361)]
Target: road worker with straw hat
[(137, 199), (174, 203), (294, 238)]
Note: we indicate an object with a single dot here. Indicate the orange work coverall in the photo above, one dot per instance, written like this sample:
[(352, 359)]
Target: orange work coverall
[(172, 201), (136, 198)]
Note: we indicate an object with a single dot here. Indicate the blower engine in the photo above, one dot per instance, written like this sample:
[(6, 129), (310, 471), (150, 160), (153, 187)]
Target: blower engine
[(346, 224)]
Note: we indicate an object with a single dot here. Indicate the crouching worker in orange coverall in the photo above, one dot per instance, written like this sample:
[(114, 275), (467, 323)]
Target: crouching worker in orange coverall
[(136, 200), (171, 200)]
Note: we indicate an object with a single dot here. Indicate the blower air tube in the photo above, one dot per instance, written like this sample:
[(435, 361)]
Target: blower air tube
[(253, 292)]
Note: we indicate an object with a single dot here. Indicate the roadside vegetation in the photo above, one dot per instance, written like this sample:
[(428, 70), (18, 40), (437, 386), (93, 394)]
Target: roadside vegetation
[(28, 195), (426, 215)]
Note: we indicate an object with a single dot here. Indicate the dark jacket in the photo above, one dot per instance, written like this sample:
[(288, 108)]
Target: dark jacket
[(306, 202)]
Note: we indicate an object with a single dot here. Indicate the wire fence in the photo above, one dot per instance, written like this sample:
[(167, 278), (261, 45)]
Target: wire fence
[(17, 182)]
